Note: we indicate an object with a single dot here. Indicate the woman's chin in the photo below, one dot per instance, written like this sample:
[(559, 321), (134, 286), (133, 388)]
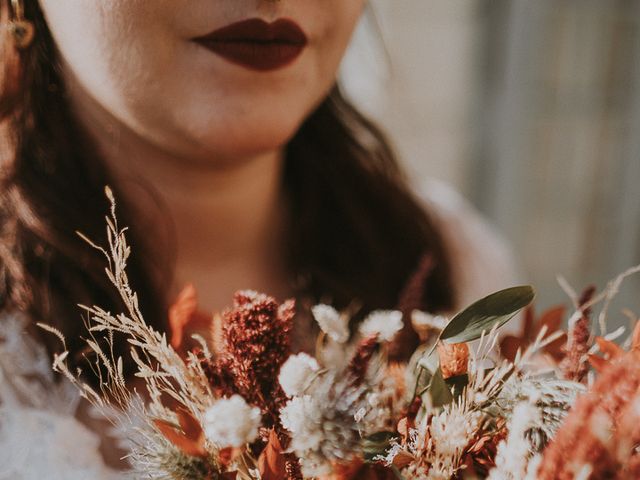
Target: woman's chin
[(234, 153), (244, 142)]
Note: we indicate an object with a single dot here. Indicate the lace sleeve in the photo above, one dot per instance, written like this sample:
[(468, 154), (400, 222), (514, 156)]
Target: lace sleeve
[(40, 436)]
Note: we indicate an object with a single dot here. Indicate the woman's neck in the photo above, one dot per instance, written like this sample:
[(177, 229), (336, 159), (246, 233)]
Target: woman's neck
[(225, 224)]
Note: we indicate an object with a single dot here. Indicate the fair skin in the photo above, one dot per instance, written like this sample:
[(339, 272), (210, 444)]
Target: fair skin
[(205, 134)]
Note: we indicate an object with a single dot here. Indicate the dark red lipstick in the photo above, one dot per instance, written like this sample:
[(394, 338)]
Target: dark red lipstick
[(256, 44)]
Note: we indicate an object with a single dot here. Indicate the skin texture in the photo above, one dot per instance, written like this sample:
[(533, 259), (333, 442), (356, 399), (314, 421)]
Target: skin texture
[(135, 58), (205, 135)]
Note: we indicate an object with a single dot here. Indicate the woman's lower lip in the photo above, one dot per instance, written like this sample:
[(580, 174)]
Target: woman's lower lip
[(260, 56)]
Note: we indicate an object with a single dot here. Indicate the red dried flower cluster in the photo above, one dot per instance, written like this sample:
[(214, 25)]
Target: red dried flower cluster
[(256, 341), (574, 366)]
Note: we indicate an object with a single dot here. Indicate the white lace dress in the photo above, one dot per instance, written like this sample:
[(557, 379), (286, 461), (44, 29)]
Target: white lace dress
[(40, 437)]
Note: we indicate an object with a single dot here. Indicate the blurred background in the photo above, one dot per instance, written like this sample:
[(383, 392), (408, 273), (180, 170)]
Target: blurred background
[(531, 110)]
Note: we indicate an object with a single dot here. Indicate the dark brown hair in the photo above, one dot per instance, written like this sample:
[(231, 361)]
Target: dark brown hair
[(356, 233)]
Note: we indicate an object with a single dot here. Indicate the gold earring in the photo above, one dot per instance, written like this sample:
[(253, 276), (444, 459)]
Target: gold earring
[(21, 30)]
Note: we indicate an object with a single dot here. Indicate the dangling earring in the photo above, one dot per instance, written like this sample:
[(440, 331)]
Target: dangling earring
[(21, 30)]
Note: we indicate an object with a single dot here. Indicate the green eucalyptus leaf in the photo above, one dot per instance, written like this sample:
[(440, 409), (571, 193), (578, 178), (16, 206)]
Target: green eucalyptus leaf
[(438, 390), (429, 362), (420, 369), (426, 361), (481, 316)]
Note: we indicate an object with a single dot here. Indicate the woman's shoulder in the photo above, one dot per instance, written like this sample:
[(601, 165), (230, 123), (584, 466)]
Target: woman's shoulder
[(481, 259)]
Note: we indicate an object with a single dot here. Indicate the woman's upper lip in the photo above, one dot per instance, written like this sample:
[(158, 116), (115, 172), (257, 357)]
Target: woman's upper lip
[(258, 31)]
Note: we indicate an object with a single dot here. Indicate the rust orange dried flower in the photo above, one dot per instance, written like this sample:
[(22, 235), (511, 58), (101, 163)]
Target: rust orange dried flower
[(454, 359), (594, 431), (189, 438), (184, 317), (271, 463), (358, 470)]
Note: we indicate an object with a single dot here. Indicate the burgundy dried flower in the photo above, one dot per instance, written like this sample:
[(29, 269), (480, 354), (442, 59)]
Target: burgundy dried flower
[(293, 469), (481, 453), (256, 342), (411, 298), (574, 366), (218, 374), (361, 358)]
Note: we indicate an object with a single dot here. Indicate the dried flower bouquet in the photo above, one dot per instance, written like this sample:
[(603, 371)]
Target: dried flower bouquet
[(542, 404)]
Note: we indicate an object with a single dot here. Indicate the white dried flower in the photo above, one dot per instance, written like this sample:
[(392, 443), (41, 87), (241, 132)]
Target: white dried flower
[(440, 470), (532, 467), (360, 414), (231, 422), (426, 325), (381, 406), (333, 355), (452, 430), (552, 397), (322, 425), (296, 372), (331, 322), (514, 452), (383, 323), (390, 454), (420, 319), (302, 416)]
